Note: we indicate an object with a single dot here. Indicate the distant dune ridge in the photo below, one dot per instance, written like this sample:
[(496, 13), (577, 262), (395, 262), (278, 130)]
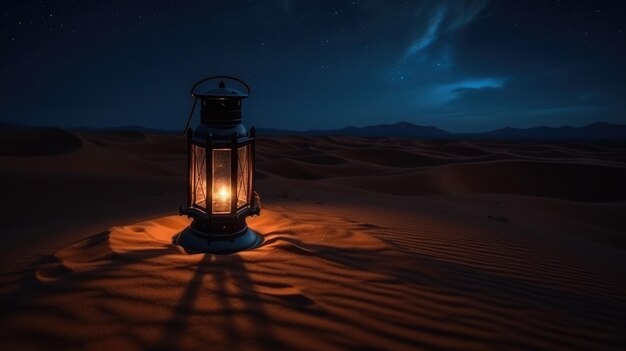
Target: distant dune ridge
[(370, 243)]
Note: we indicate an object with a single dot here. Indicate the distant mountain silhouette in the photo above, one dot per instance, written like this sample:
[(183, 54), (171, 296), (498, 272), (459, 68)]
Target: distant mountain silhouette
[(594, 131), (599, 131), (400, 129), (133, 128)]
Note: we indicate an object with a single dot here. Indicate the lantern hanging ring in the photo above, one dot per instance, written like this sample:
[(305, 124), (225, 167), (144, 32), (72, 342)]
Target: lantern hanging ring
[(220, 77)]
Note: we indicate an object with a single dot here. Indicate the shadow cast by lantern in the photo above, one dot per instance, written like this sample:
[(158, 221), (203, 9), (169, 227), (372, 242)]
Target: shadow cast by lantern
[(210, 279)]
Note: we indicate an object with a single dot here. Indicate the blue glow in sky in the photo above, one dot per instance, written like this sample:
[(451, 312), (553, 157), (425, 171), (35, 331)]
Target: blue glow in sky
[(460, 65)]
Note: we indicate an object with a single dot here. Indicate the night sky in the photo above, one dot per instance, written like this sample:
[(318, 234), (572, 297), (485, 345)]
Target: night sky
[(459, 65)]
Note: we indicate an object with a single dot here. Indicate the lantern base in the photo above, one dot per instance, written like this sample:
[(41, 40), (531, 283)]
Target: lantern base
[(199, 242)]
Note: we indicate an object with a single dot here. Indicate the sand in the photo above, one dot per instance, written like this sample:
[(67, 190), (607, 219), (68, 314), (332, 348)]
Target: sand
[(369, 244)]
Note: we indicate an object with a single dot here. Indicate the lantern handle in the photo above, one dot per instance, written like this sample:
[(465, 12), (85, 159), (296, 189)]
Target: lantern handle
[(195, 99), (220, 77), (193, 107)]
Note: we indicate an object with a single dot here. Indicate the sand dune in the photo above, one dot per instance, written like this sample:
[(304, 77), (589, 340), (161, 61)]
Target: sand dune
[(463, 246), (37, 142), (500, 168)]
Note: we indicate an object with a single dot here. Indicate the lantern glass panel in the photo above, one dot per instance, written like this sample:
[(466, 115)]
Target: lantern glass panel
[(198, 176), (244, 170), (221, 187)]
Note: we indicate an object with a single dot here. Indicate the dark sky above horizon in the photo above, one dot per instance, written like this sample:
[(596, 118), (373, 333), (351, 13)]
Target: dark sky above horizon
[(459, 65)]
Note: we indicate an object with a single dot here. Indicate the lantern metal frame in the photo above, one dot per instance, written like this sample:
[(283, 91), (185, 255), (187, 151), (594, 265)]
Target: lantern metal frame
[(210, 232)]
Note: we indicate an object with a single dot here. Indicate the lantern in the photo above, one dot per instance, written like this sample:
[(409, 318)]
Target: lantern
[(220, 182)]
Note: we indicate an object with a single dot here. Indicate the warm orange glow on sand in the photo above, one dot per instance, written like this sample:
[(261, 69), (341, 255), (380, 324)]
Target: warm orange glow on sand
[(319, 282)]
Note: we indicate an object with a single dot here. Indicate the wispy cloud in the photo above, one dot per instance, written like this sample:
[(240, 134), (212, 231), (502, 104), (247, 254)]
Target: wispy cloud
[(426, 38), (445, 17)]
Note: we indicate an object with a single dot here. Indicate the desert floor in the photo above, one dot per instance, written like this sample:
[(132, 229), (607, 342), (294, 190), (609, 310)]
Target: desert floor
[(369, 243)]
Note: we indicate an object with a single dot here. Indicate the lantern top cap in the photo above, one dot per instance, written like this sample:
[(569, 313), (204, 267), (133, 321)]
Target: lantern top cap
[(221, 92)]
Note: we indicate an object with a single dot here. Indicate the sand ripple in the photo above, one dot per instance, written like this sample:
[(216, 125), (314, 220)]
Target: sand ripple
[(317, 285)]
